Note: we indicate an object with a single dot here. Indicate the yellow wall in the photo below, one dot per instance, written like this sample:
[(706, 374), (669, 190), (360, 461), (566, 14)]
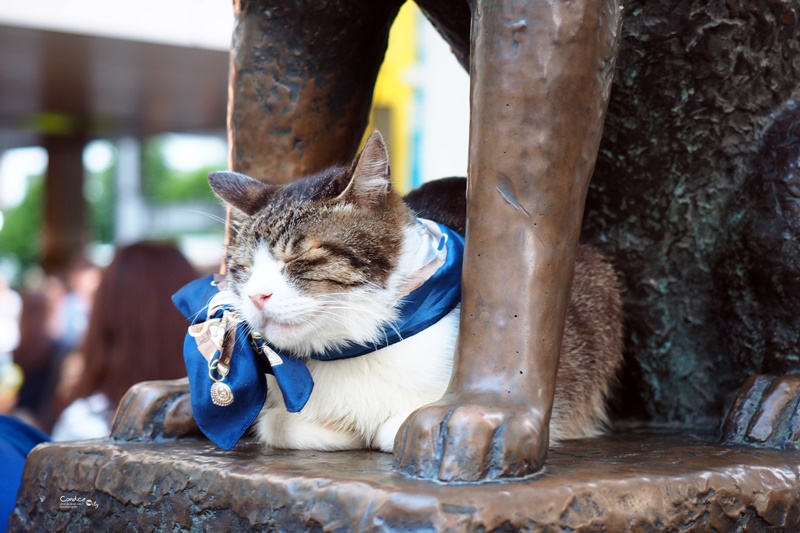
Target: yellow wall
[(394, 96)]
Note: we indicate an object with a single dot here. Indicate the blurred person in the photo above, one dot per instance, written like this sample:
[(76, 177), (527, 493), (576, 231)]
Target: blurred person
[(10, 374), (135, 334), (10, 381), (80, 280), (10, 310), (37, 354)]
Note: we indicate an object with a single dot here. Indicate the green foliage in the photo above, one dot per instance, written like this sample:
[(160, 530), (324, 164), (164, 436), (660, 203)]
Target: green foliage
[(21, 236), (162, 184), (100, 191)]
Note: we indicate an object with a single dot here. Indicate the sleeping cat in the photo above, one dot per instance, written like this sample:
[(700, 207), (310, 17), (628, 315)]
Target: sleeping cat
[(327, 261)]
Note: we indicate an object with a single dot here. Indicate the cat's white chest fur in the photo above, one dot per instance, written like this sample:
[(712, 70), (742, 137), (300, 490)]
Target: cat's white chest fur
[(361, 402)]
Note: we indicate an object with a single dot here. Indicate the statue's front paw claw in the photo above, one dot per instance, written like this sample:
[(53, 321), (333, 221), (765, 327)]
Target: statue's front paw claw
[(765, 412), (470, 441), (156, 410)]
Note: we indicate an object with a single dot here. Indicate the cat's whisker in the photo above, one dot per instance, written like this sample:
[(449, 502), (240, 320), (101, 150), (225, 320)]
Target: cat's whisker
[(201, 311), (349, 296), (215, 218), (394, 328), (243, 332)]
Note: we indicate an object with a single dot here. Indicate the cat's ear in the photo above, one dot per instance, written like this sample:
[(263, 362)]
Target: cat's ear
[(371, 179), (242, 192)]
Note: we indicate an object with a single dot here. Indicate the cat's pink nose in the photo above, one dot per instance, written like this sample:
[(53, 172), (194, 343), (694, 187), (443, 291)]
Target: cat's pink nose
[(260, 299)]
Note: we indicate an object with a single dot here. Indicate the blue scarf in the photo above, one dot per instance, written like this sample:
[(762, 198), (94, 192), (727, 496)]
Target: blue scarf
[(227, 366)]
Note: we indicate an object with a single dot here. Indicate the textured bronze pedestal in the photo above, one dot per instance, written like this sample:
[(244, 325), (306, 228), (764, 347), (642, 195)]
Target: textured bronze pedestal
[(158, 474), (631, 482)]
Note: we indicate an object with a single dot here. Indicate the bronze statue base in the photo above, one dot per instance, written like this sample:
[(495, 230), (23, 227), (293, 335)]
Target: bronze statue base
[(632, 481)]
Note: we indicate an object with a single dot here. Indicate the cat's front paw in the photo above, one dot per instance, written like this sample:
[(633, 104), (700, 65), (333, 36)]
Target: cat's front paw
[(471, 438)]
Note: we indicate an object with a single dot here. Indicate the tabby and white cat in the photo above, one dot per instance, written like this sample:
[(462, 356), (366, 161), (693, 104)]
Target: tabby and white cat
[(325, 261)]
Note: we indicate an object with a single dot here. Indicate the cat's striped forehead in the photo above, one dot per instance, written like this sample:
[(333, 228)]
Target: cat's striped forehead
[(326, 245)]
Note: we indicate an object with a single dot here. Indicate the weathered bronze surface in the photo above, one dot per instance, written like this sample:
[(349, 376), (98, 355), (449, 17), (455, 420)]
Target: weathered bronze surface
[(695, 198), (540, 79), (631, 482), (301, 82)]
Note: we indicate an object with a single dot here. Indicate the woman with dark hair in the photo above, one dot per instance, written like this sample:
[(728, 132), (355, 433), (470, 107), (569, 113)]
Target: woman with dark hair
[(135, 334)]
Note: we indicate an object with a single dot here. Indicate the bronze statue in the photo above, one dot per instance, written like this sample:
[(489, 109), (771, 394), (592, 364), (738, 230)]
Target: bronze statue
[(690, 261), (305, 107), (694, 198)]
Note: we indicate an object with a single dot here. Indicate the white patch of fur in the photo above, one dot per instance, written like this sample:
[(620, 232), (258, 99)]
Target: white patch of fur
[(341, 207), (376, 186), (361, 402), (409, 262), (284, 313)]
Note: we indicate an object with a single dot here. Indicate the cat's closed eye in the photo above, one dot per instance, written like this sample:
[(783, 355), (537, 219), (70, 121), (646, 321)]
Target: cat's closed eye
[(325, 264), (309, 253)]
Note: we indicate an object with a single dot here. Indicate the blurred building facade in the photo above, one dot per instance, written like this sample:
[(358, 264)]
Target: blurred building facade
[(71, 73)]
